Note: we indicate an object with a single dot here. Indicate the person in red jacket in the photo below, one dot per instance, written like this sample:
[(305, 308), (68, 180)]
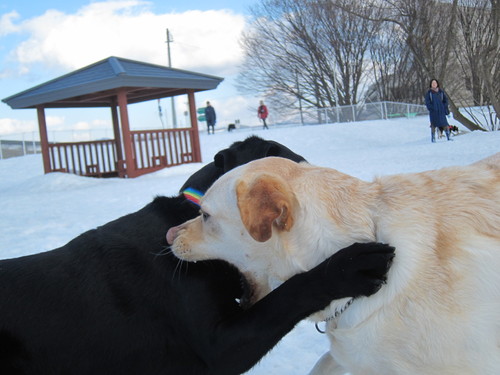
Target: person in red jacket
[(262, 113)]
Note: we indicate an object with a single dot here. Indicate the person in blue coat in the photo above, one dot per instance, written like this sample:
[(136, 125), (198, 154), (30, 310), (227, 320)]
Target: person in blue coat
[(210, 118), (437, 104)]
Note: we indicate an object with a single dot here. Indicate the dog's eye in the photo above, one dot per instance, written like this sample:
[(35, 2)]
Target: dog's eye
[(205, 216)]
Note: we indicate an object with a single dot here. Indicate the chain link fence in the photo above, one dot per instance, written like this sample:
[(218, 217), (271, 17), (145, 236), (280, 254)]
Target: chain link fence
[(20, 144), (10, 148), (29, 143), (350, 113)]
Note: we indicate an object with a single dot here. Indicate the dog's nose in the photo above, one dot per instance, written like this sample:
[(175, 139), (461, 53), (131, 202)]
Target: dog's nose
[(172, 234)]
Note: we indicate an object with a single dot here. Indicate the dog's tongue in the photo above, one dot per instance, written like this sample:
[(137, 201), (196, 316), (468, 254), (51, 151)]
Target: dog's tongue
[(171, 234)]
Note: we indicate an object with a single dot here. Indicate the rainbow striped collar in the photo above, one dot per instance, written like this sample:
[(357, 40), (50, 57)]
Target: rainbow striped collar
[(193, 195)]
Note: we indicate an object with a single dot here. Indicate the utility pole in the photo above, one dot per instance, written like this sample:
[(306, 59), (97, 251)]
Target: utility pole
[(168, 41)]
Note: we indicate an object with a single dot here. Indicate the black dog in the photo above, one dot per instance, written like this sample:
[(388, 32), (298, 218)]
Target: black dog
[(113, 301), (238, 154)]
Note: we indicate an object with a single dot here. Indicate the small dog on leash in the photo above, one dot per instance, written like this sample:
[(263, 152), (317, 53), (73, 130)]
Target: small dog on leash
[(452, 128)]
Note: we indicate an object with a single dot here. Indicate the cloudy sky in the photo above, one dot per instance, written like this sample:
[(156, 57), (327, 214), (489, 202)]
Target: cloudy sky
[(42, 40)]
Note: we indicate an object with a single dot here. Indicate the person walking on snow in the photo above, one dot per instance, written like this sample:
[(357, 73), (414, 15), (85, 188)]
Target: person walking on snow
[(210, 118), (262, 114), (437, 104)]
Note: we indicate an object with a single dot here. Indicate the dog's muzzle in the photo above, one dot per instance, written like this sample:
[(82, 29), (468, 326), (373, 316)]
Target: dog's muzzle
[(172, 233)]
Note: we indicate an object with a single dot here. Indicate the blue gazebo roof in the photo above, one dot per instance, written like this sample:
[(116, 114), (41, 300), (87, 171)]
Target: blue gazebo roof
[(96, 85)]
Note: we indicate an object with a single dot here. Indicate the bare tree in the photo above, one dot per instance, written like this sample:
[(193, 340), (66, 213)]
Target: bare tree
[(397, 76), (349, 38), (277, 63), (429, 29), (306, 52), (316, 52), (478, 52)]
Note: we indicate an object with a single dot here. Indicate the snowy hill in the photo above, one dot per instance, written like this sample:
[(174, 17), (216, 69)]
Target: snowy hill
[(41, 212)]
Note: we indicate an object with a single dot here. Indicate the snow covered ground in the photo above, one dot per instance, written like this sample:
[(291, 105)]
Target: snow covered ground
[(41, 212)]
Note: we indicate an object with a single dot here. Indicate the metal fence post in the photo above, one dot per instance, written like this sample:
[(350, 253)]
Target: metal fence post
[(24, 145)]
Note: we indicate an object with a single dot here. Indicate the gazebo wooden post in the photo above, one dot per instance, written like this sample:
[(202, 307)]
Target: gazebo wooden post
[(195, 134), (127, 141), (118, 140), (44, 139)]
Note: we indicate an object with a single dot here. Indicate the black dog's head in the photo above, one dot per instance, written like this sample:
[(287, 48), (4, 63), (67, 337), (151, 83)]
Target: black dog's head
[(237, 154)]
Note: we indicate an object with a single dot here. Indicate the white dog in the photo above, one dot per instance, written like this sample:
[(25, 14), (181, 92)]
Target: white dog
[(440, 310)]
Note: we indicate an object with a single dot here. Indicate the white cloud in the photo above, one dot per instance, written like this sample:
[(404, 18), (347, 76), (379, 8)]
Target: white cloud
[(10, 125), (6, 24), (246, 109), (204, 41), (56, 42), (62, 123), (54, 121)]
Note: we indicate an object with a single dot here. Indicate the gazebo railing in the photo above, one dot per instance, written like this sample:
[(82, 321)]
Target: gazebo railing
[(157, 149), (152, 150), (92, 158)]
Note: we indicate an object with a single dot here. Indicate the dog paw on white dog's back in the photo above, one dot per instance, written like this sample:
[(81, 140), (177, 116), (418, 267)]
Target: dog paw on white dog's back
[(358, 270)]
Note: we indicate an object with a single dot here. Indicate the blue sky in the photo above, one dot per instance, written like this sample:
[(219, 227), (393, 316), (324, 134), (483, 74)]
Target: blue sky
[(40, 41), (30, 8)]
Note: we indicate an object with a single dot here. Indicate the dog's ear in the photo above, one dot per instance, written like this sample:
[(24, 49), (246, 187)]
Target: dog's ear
[(276, 149), (266, 202), (219, 159), (273, 150)]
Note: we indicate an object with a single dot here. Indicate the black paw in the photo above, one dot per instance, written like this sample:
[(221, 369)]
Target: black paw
[(358, 270)]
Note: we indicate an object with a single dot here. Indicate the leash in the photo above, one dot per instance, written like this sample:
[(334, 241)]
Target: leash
[(334, 317)]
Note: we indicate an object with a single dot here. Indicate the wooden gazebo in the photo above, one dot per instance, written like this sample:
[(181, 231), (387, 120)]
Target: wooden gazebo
[(116, 82)]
